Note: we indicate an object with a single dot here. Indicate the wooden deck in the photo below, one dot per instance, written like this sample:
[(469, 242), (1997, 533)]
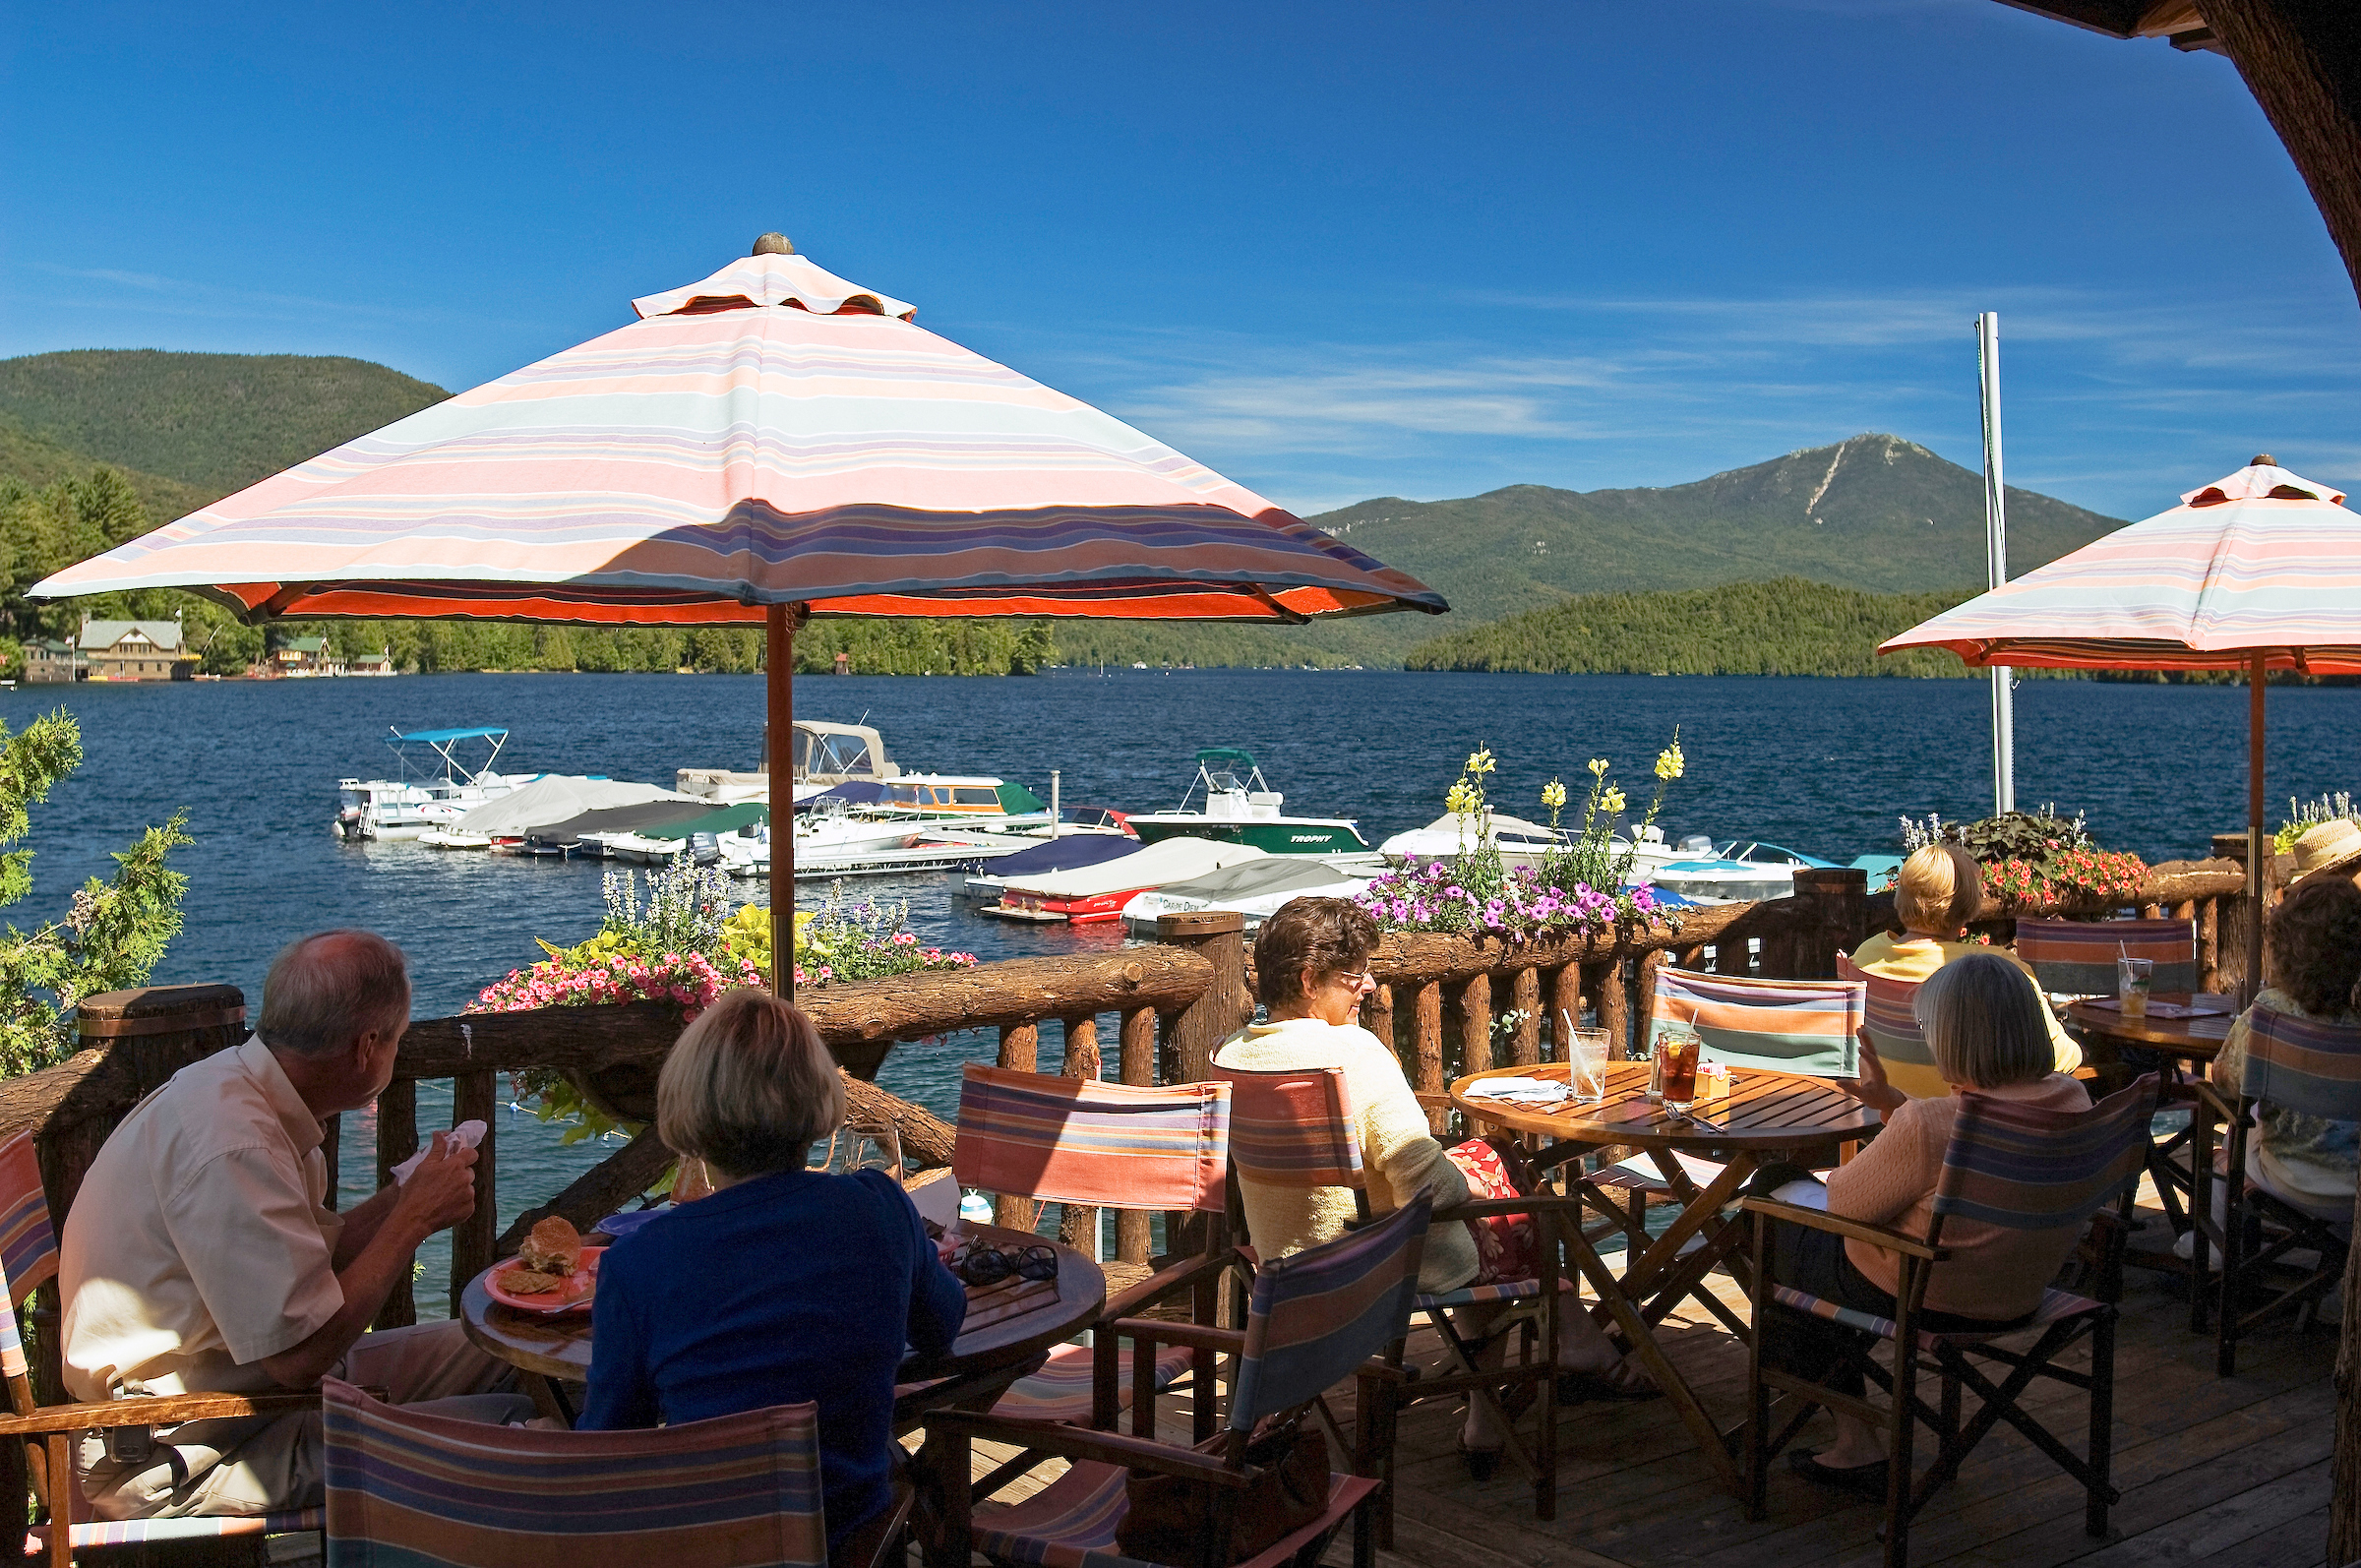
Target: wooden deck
[(2233, 1473)]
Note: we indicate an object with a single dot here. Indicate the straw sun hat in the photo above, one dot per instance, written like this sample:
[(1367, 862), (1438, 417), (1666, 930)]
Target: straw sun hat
[(2326, 847)]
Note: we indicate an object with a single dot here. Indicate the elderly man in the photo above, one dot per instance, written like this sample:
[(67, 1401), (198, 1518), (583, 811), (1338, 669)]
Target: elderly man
[(200, 1255)]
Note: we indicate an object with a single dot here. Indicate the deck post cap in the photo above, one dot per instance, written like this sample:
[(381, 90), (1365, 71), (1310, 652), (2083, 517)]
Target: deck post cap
[(774, 243)]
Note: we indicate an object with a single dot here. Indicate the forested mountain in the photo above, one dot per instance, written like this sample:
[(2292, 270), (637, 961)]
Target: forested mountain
[(1873, 513)]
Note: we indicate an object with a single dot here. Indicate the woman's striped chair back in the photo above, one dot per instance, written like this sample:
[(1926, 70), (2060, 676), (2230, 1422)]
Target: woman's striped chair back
[(2032, 1170), (1889, 1009), (1809, 1026), (1314, 1318), (2302, 1065), (1078, 1141), (1294, 1130), (413, 1490), (27, 1244), (2077, 957)]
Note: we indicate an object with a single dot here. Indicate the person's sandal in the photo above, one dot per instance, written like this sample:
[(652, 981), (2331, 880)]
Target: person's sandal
[(1868, 1481)]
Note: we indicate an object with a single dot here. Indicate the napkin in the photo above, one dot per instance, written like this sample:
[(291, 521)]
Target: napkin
[(1521, 1090), (469, 1133)]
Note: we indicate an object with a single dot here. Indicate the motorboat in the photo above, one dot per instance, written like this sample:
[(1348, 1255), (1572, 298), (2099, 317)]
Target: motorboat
[(822, 757), (403, 808), (548, 817), (1521, 843), (1066, 854), (1731, 871), (1091, 894), (1254, 888), (657, 844), (1241, 808)]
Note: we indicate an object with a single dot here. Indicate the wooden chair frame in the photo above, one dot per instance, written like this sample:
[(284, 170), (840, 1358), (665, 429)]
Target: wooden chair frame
[(2251, 1214)]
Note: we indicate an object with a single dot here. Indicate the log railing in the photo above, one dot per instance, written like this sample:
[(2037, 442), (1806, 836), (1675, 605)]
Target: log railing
[(1154, 1013)]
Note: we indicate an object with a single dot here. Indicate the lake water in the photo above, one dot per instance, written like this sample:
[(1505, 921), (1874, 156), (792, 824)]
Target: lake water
[(1825, 766)]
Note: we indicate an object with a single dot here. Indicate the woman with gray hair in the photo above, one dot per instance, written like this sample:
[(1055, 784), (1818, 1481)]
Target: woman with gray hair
[(784, 1284), (1986, 1028)]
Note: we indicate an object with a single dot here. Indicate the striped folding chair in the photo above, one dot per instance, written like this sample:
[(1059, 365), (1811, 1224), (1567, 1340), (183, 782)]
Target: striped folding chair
[(1295, 1130), (1890, 1011), (406, 1489), (2077, 957), (1806, 1026), (42, 1458), (1084, 1143), (2299, 1064), (1314, 1320), (2007, 1165)]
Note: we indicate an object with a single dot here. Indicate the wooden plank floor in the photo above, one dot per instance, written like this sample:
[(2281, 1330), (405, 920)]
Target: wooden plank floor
[(2218, 1470)]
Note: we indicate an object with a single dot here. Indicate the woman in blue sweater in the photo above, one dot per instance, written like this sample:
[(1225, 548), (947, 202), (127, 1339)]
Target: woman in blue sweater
[(784, 1285)]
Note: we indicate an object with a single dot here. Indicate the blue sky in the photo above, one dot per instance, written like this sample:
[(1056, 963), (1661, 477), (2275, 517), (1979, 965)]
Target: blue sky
[(1335, 251)]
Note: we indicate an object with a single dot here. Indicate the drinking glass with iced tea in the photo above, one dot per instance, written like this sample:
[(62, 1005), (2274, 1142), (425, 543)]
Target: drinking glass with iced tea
[(2132, 978), (1677, 1055)]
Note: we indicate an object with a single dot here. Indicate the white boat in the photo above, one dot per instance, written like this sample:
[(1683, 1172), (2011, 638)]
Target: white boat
[(387, 809), (1094, 894), (1521, 843), (1256, 889), (1733, 871), (1241, 808), (452, 838), (1064, 853), (822, 757)]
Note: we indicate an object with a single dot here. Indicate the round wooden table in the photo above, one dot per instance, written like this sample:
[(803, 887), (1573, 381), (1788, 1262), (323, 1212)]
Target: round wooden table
[(1767, 1116), (2195, 1039), (558, 1348)]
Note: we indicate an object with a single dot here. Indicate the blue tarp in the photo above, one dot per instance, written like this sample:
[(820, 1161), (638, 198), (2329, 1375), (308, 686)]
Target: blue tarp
[(1062, 855), (437, 737), (857, 793)]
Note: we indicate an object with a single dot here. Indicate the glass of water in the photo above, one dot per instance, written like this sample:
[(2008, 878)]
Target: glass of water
[(1586, 1065)]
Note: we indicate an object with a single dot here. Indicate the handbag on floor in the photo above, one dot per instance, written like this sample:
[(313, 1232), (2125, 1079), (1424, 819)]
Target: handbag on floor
[(1167, 1516)]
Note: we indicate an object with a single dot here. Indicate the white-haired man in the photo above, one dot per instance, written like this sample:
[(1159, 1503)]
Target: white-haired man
[(200, 1255)]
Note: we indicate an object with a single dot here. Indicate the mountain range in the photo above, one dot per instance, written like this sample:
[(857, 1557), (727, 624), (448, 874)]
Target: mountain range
[(1873, 512)]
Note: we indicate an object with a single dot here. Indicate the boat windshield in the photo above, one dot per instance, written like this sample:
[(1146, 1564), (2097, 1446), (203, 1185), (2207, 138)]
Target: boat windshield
[(832, 754)]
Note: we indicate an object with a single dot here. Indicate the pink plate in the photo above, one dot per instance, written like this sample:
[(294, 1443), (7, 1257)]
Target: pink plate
[(566, 1297)]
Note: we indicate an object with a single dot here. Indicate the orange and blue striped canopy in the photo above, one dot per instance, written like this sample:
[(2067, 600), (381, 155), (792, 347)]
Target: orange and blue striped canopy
[(771, 435), (2262, 561)]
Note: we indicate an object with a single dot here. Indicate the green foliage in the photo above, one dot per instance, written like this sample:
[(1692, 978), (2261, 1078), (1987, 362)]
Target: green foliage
[(2035, 860), (114, 932), (2304, 815)]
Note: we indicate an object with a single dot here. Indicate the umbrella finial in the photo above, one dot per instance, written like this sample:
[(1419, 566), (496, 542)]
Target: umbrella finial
[(2264, 460), (774, 243)]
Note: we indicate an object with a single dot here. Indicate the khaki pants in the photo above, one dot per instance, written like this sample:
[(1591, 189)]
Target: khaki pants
[(266, 1463)]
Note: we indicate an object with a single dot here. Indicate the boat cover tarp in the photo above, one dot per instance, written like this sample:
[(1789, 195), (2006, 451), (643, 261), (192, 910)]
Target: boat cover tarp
[(1276, 873), (653, 817), (432, 736), (558, 798), (1064, 855), (1018, 801), (728, 819), (854, 791), (1175, 860)]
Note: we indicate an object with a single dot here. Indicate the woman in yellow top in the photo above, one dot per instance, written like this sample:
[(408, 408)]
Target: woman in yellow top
[(1937, 893)]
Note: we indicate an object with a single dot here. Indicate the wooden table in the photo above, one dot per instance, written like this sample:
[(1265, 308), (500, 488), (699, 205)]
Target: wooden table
[(2196, 1039), (557, 1349), (1768, 1116)]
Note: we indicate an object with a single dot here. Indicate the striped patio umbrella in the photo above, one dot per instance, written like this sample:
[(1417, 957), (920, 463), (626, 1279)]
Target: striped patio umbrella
[(2257, 572), (769, 443)]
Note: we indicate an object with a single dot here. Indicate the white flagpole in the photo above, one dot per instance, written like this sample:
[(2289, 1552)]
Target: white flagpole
[(1996, 558)]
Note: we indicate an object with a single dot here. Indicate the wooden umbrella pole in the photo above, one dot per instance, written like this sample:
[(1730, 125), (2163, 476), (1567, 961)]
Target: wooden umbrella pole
[(778, 669), (2257, 671)]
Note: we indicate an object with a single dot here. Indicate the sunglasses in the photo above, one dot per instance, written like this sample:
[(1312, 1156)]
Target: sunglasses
[(990, 1265), (1363, 980)]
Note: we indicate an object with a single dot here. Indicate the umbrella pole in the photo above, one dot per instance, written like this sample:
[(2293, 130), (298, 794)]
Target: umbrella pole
[(2256, 668), (779, 680)]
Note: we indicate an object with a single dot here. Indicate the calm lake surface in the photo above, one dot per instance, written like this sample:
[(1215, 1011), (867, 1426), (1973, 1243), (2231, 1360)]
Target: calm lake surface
[(1825, 766)]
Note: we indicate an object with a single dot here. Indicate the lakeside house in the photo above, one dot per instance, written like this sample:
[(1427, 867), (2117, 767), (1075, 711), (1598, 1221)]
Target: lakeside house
[(115, 651), (49, 661)]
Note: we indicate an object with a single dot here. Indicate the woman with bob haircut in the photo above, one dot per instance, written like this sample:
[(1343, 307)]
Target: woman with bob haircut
[(783, 1285), (1311, 973), (1986, 1029), (1935, 895)]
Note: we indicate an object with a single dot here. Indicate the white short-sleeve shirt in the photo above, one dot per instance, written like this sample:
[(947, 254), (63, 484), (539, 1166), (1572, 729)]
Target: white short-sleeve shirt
[(201, 1240)]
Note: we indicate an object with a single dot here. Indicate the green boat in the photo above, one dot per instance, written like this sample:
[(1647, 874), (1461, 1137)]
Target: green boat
[(1241, 808)]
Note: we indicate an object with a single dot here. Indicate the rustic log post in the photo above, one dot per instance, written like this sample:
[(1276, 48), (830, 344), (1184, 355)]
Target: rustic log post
[(1565, 1005), (1834, 918), (1131, 1225), (1224, 1008), (1613, 1003), (154, 1031), (1020, 1052), (2208, 944), (1643, 1032), (1428, 1078), (396, 1142), (1078, 1226), (1377, 1016), (1476, 1024), (1525, 999), (473, 1097)]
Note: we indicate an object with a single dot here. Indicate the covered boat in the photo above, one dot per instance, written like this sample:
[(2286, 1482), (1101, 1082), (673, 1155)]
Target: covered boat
[(1254, 888), (1095, 893), (1055, 854)]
